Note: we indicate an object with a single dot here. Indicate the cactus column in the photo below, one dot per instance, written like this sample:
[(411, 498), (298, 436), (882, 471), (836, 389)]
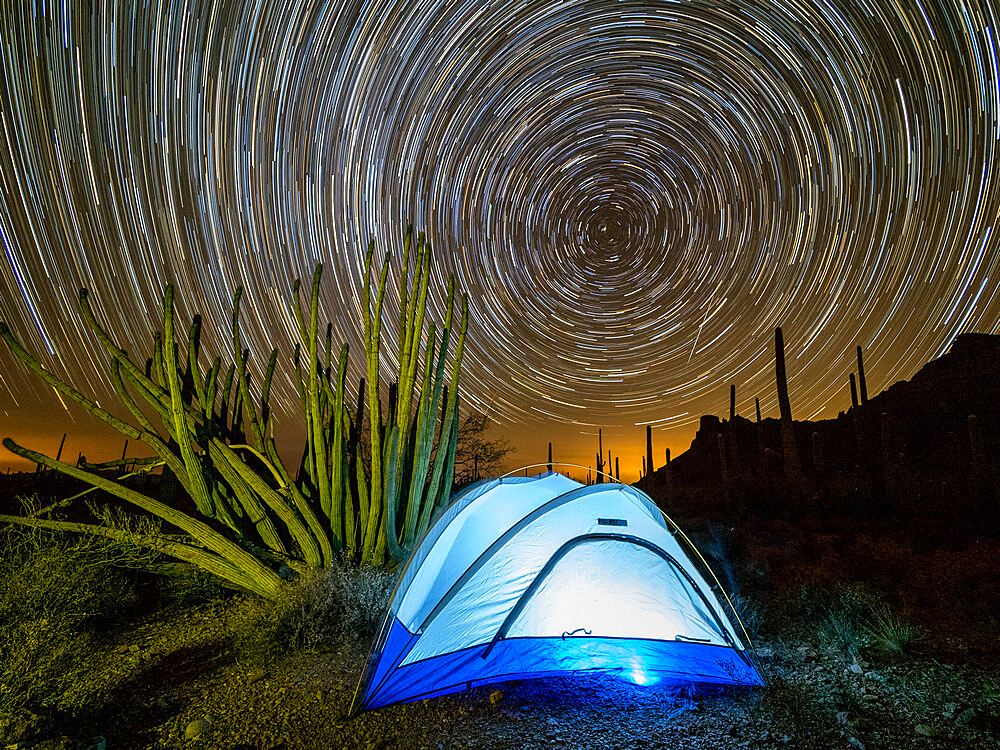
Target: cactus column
[(649, 449), (793, 468), (600, 458), (861, 378)]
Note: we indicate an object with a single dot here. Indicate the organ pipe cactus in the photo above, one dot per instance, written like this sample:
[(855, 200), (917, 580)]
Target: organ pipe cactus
[(217, 441), (386, 509)]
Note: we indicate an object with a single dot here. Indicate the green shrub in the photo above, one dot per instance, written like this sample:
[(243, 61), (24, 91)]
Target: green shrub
[(55, 590), (184, 585)]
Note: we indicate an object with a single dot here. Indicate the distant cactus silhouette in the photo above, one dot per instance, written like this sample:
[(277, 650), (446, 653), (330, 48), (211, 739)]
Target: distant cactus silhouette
[(793, 468), (599, 474), (861, 378), (649, 449)]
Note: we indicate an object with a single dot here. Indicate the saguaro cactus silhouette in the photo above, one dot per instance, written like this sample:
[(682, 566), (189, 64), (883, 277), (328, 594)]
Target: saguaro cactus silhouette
[(861, 378), (649, 449), (793, 469), (599, 476)]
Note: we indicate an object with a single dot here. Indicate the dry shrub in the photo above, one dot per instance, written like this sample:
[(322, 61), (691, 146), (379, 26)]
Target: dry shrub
[(322, 609)]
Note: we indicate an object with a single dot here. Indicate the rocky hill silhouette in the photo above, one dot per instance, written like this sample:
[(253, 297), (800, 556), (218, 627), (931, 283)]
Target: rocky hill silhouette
[(927, 447)]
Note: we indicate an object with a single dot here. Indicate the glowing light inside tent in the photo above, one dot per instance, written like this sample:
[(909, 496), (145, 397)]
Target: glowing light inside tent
[(639, 676)]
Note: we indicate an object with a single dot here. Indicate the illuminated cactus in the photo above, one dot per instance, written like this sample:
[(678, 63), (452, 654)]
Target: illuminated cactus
[(219, 446)]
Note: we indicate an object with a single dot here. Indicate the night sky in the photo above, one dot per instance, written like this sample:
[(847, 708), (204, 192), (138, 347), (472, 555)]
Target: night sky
[(633, 194)]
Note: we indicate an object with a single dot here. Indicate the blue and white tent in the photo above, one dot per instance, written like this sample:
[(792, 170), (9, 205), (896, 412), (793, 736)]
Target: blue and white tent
[(534, 576)]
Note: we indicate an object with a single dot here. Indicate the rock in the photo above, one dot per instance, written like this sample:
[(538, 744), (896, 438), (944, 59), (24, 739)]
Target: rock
[(965, 717), (496, 697), (925, 730), (856, 668), (198, 726), (841, 717), (96, 743)]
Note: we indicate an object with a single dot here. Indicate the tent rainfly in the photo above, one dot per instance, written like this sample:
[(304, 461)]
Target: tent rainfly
[(534, 576)]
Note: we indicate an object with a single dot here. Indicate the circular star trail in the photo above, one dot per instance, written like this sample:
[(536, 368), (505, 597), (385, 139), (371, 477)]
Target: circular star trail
[(633, 194)]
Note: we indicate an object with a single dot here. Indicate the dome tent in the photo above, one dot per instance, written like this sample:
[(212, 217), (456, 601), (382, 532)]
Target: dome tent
[(533, 576)]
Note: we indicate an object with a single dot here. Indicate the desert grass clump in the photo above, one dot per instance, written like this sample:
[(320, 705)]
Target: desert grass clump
[(57, 593), (890, 633), (842, 630), (839, 619), (750, 612)]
